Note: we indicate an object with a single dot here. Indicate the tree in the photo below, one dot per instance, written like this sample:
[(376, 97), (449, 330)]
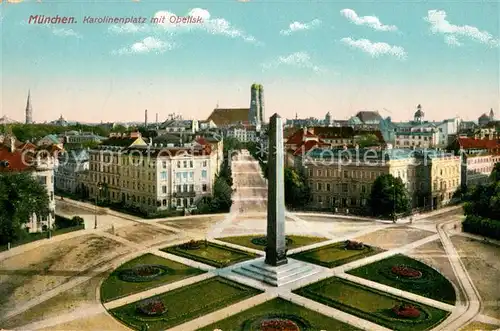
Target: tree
[(232, 144), (389, 197), (495, 173), (21, 196), (368, 140), (221, 195), (297, 193)]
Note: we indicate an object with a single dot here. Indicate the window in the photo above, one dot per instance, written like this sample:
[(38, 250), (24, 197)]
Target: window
[(319, 173), (328, 187), (179, 188), (178, 176), (163, 175), (184, 163), (346, 174), (319, 186), (205, 163), (185, 187), (51, 196), (43, 180), (363, 189), (204, 174), (164, 189), (204, 187), (178, 164), (191, 164), (184, 175), (191, 188), (191, 175), (344, 188), (164, 164)]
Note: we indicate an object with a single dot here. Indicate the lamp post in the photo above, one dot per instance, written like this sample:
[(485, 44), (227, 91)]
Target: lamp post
[(99, 188)]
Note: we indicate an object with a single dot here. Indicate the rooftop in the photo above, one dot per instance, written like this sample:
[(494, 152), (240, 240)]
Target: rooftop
[(229, 116)]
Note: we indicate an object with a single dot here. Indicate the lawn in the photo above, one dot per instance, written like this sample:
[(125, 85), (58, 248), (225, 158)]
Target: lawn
[(114, 287), (212, 254), (431, 284), (279, 308), (370, 304), (335, 254), (293, 241), (186, 303)]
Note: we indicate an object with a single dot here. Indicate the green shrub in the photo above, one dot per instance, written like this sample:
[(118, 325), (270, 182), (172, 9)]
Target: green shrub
[(482, 226)]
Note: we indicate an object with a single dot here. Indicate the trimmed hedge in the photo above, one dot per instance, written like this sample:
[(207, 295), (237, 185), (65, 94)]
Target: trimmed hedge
[(482, 226)]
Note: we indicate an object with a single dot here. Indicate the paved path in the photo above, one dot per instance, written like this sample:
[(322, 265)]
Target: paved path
[(461, 317)]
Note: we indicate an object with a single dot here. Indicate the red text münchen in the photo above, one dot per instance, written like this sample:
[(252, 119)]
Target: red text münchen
[(42, 19)]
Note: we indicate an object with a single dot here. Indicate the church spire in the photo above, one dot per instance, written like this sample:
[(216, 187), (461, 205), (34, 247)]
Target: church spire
[(29, 109)]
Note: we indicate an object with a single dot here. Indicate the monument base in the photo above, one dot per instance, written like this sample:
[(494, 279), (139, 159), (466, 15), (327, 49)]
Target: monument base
[(279, 275)]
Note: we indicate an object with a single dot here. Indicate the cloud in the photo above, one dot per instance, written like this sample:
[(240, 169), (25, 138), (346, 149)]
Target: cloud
[(454, 33), (298, 26), (370, 21), (128, 28), (62, 32), (375, 49), (452, 40), (297, 59), (147, 45), (172, 24)]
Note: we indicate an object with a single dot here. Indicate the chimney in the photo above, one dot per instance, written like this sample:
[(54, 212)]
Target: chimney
[(12, 144)]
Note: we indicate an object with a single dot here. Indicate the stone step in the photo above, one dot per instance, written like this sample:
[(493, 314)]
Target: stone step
[(273, 280), (276, 275), (281, 270)]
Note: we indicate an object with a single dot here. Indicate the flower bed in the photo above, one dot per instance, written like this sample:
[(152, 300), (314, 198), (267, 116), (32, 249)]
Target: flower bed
[(262, 241), (406, 311), (354, 245), (142, 273), (406, 272), (151, 307), (193, 244), (278, 324)]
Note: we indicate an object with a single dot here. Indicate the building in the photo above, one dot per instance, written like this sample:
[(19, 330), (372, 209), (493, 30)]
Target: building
[(207, 125), (479, 156), (79, 137), (343, 178), (50, 140), (417, 133), (25, 157), (227, 117), (152, 178), (485, 119), (60, 121), (178, 126), (68, 173), (244, 133), (4, 120)]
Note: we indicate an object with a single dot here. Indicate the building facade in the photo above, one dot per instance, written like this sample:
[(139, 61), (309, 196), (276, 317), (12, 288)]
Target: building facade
[(152, 178), (343, 178), (71, 165)]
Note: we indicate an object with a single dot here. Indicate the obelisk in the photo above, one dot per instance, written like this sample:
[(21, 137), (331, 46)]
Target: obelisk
[(276, 243)]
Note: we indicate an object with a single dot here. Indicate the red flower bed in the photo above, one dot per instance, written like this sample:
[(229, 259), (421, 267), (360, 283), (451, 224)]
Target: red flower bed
[(279, 325), (152, 307), (406, 311), (351, 244), (406, 272)]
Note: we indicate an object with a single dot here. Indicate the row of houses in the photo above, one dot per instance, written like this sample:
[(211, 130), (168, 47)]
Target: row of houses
[(134, 172)]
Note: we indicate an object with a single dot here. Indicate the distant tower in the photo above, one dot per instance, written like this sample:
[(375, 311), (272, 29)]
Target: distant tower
[(29, 109), (262, 111), (157, 121), (146, 118), (257, 113), (419, 115), (328, 119), (492, 115)]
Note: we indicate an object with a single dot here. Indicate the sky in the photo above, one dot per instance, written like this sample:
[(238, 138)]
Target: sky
[(312, 57)]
